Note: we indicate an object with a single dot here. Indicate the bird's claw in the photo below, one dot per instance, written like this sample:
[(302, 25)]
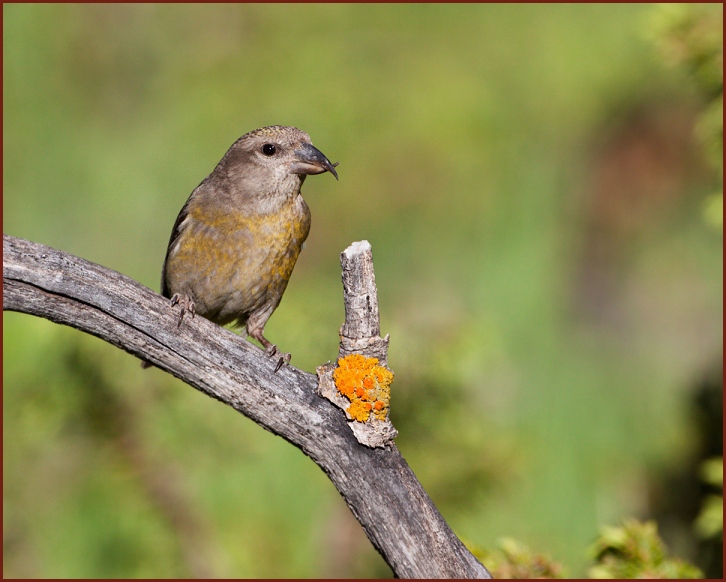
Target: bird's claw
[(185, 305), (272, 351), (284, 359)]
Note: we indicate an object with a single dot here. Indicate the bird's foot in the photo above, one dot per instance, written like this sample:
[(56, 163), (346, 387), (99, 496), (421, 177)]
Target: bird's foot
[(284, 358), (186, 305), (270, 348)]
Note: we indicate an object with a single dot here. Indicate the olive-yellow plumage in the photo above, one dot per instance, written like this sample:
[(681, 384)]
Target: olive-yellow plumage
[(237, 238)]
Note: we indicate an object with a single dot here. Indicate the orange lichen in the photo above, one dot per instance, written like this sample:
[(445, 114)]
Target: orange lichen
[(360, 411), (366, 384)]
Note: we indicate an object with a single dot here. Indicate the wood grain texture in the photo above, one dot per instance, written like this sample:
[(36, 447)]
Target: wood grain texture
[(377, 484), (359, 335)]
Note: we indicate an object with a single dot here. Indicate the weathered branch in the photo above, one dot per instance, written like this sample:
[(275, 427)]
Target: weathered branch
[(377, 484), (359, 335)]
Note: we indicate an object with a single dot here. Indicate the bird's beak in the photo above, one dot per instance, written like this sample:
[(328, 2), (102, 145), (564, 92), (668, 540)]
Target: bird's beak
[(310, 160)]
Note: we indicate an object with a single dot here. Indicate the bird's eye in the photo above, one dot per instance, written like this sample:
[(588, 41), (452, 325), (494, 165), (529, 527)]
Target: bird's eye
[(269, 149)]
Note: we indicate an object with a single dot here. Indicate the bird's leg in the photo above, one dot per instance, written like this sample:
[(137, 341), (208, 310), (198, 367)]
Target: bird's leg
[(185, 305), (270, 348)]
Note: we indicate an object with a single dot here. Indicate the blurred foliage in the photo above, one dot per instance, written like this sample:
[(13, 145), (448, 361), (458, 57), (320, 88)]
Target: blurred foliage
[(634, 550), (530, 183), (710, 520), (514, 560), (691, 35)]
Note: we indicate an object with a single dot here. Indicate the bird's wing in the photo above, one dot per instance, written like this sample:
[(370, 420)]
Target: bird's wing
[(175, 232)]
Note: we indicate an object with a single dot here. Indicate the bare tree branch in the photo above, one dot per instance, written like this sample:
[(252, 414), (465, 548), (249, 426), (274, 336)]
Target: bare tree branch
[(359, 335), (377, 484)]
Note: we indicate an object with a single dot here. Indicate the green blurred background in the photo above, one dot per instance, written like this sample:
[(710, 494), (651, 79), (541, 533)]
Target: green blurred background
[(532, 184)]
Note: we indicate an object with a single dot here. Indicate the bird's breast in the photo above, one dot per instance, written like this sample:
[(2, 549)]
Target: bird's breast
[(235, 262)]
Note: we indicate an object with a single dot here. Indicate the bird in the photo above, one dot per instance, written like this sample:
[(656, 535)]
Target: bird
[(237, 238)]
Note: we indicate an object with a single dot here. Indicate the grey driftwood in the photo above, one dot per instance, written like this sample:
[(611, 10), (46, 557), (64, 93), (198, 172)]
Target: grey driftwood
[(381, 490)]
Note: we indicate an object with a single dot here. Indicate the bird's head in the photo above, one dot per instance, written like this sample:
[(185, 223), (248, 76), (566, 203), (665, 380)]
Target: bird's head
[(272, 160)]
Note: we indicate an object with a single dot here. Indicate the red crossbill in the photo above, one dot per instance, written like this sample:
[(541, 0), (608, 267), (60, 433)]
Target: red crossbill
[(237, 238)]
